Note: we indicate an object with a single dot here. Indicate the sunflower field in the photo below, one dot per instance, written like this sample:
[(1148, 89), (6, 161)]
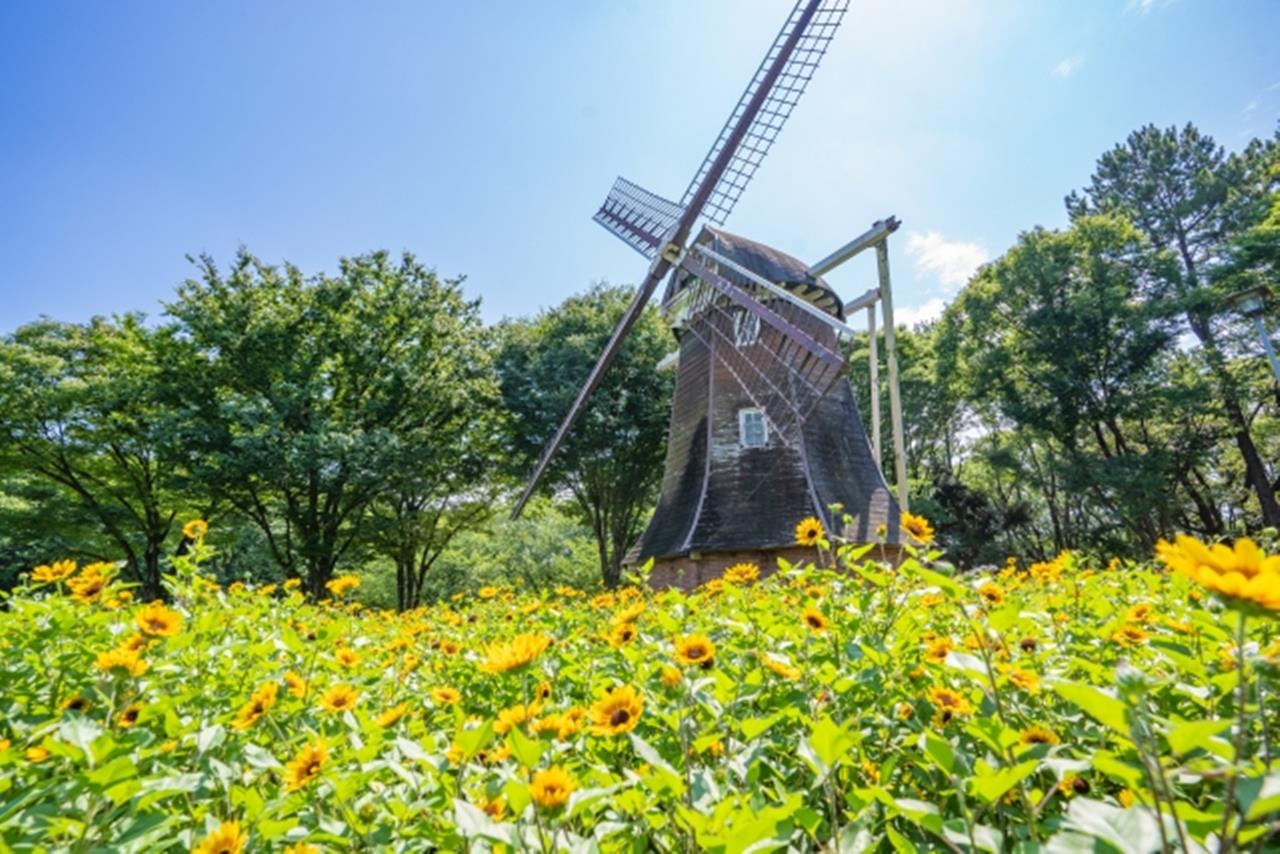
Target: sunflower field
[(845, 704)]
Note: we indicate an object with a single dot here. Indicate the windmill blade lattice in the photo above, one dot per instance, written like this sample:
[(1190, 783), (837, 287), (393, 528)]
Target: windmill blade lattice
[(643, 220), (783, 96), (784, 370)]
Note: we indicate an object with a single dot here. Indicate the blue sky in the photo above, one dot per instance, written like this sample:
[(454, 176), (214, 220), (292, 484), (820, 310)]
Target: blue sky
[(482, 136)]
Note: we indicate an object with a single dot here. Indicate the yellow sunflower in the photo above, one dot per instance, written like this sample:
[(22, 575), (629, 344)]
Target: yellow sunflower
[(621, 635), (393, 714), (948, 704), (1025, 679), (227, 839), (305, 766), (809, 531), (991, 593), (339, 698), (348, 658), (552, 787), (1130, 636), (445, 695), (1242, 576), (515, 716), (75, 703), (196, 529), (86, 586), (296, 684), (780, 669), (937, 650), (671, 677), (54, 572), (342, 585), (918, 528), (742, 573), (617, 712), (129, 717), (696, 650), (158, 621), (515, 653), (815, 620), (124, 659), (1038, 734)]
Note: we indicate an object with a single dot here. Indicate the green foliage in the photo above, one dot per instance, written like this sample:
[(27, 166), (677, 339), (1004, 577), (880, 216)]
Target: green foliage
[(308, 402), (1061, 707), (611, 463)]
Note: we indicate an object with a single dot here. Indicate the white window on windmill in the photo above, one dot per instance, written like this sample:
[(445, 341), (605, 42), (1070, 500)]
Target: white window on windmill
[(753, 430), (746, 328)]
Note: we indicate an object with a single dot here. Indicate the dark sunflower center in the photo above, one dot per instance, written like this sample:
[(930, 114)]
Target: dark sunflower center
[(619, 717)]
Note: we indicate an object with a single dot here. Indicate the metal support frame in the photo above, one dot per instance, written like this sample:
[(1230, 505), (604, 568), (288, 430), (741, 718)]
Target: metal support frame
[(877, 238)]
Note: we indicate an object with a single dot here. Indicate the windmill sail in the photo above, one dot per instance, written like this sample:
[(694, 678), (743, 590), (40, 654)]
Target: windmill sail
[(816, 24), (643, 220), (745, 139)]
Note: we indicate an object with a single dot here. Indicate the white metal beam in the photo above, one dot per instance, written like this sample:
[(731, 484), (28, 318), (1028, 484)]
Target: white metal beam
[(873, 236), (778, 291)]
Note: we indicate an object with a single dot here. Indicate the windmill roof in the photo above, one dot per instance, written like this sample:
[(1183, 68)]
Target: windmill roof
[(776, 266)]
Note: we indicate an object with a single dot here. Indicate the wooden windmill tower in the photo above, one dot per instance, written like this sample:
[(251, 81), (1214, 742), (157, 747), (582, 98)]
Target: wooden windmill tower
[(764, 427)]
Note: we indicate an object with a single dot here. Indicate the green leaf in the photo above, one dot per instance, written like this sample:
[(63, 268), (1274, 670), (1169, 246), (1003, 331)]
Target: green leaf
[(527, 751), (1103, 708), (990, 784), (1129, 830), (1260, 796), (939, 750), (472, 741), (830, 742), (1199, 735), (80, 732)]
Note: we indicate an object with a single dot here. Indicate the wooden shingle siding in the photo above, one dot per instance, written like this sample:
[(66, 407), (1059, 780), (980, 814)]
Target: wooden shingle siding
[(721, 500)]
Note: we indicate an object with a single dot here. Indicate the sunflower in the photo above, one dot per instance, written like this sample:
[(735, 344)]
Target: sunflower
[(75, 703), (551, 787), (1140, 613), (296, 684), (918, 528), (809, 531), (948, 704), (991, 593), (445, 695), (36, 754), (305, 766), (563, 726), (492, 807), (122, 658), (1037, 734), (937, 650), (348, 658), (227, 839), (815, 620), (129, 717), (742, 573), (1025, 679), (630, 615), (780, 669), (196, 529), (158, 621), (393, 714), (86, 586), (671, 677), (1242, 576), (1130, 636), (341, 585), (621, 635), (261, 701), (515, 653), (449, 647), (339, 698), (617, 712), (696, 649), (515, 716), (904, 711), (53, 572)]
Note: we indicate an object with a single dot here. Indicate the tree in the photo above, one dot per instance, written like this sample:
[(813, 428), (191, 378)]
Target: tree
[(1190, 199), (611, 463), (1065, 334), (82, 410), (310, 399)]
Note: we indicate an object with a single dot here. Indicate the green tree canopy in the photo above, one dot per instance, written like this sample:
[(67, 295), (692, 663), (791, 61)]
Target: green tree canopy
[(611, 463)]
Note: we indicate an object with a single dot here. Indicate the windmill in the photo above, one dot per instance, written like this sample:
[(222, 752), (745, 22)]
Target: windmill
[(764, 427)]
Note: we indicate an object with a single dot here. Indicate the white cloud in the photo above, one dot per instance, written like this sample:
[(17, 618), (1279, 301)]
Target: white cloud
[(1142, 7), (1251, 106), (1068, 66), (952, 262), (911, 315)]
